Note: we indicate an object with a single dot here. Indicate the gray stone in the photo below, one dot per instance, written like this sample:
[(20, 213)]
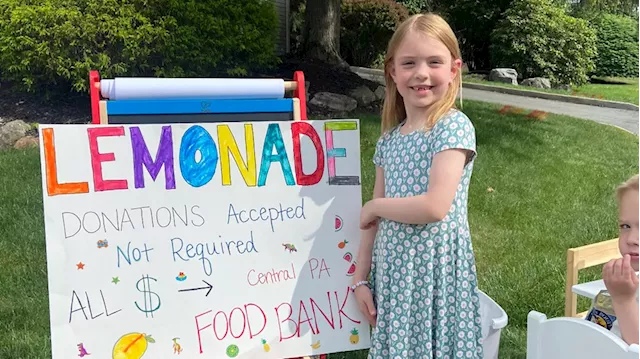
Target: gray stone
[(509, 76), (307, 84), (363, 95), (564, 87), (334, 101), (537, 82), (380, 92), (11, 132), (26, 142)]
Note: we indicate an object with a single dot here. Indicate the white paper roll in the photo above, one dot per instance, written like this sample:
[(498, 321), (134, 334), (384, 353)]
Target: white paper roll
[(128, 88)]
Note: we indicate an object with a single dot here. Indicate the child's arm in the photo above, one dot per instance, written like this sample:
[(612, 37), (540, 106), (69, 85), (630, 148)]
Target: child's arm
[(622, 284), (431, 206), (628, 321), (368, 235)]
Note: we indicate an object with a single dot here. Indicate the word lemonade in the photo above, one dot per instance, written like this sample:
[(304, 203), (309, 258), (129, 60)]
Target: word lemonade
[(158, 245)]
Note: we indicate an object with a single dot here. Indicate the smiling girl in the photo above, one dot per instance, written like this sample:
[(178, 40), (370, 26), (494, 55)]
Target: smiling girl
[(422, 299)]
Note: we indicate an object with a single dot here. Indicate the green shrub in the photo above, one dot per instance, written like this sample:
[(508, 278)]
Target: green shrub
[(296, 22), (617, 46), (219, 36), (537, 38), (416, 6), (54, 43), (366, 27)]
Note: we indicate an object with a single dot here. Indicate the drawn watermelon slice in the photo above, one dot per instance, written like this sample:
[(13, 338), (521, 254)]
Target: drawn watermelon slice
[(352, 269), (338, 223), (348, 256)]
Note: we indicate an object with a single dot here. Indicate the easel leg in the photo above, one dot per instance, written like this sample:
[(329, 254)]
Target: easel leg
[(296, 109), (104, 120)]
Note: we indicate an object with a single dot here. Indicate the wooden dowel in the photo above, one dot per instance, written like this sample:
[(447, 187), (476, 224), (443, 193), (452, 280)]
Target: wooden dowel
[(290, 85)]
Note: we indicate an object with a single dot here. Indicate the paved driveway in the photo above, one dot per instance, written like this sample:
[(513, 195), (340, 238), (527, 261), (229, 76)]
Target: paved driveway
[(626, 119)]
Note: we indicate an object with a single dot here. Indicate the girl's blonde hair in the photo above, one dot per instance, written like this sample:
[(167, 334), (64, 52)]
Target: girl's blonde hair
[(393, 111), (628, 185)]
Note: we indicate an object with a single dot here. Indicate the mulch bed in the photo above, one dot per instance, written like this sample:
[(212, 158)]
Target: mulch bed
[(76, 109)]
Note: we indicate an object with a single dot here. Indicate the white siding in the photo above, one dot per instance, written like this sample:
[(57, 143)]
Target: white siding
[(282, 45)]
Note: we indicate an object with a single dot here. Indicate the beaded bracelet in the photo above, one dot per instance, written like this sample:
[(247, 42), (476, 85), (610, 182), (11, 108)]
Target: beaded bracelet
[(362, 282)]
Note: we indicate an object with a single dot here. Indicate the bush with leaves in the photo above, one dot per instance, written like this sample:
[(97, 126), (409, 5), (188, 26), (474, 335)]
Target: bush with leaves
[(617, 45), (537, 38), (52, 44), (366, 26), (418, 6), (219, 37)]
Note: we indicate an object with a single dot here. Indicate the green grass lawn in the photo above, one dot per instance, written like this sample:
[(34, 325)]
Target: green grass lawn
[(616, 89), (552, 180)]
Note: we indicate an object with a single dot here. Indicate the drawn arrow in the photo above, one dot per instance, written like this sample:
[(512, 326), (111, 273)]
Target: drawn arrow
[(209, 286)]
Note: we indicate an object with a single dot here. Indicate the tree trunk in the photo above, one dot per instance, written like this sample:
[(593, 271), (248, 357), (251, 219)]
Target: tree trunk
[(322, 31)]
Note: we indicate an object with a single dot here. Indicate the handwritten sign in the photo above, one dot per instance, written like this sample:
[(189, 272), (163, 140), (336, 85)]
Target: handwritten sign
[(202, 240)]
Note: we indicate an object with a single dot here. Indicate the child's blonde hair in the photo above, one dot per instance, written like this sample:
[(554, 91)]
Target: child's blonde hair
[(628, 185), (393, 111)]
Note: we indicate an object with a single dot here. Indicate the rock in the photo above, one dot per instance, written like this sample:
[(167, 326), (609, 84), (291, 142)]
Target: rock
[(334, 101), (12, 132), (464, 68), (509, 76), (564, 87), (380, 92), (307, 84), (26, 142), (537, 82), (363, 95)]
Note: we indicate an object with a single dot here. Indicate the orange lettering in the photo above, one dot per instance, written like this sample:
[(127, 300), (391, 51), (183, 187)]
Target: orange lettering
[(53, 187)]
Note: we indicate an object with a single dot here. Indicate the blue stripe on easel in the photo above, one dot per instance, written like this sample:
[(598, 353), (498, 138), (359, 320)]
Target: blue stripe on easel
[(184, 106)]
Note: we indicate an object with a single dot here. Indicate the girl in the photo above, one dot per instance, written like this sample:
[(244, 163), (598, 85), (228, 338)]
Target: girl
[(416, 243)]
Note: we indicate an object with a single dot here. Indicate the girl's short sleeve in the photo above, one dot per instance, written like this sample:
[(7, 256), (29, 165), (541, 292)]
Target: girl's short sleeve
[(378, 155), (455, 130)]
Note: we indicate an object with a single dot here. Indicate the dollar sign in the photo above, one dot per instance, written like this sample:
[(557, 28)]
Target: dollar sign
[(148, 300)]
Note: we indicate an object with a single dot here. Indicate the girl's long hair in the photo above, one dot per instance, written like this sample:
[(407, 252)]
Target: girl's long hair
[(393, 111)]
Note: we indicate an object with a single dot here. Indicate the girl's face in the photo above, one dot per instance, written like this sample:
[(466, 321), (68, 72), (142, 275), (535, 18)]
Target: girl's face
[(628, 221), (422, 70)]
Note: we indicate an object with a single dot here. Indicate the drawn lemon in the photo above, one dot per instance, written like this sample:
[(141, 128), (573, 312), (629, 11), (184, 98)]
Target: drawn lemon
[(232, 351), (131, 346), (600, 321)]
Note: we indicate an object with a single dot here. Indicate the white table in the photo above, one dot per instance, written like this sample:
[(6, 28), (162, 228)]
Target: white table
[(589, 289)]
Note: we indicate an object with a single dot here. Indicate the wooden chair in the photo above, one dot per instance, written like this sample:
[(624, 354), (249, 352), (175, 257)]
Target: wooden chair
[(584, 257)]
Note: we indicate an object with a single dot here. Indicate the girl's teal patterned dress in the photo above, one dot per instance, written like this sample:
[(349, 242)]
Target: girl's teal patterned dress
[(424, 276)]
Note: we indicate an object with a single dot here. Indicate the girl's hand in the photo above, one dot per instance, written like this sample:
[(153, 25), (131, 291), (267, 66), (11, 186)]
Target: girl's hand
[(620, 279), (365, 303), (368, 218)]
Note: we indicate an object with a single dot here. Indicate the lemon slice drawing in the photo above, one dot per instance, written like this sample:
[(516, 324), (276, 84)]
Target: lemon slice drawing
[(131, 346)]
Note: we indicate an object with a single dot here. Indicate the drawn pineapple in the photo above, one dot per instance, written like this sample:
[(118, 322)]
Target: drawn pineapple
[(354, 337), (265, 346)]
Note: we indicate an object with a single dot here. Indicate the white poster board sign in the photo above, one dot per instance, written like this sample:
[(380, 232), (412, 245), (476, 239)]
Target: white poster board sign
[(202, 240)]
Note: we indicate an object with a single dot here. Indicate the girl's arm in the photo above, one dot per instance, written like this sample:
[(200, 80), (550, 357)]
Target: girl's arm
[(368, 235), (434, 204), (628, 321)]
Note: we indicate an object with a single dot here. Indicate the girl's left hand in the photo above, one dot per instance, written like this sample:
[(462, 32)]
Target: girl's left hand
[(368, 217)]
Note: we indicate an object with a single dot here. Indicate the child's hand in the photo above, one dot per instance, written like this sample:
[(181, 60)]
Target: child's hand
[(365, 303), (368, 218), (620, 279)]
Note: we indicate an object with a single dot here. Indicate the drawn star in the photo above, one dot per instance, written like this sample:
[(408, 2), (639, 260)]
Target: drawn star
[(80, 265), (115, 280)]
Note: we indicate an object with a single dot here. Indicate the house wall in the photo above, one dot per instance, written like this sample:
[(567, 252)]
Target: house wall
[(282, 45)]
